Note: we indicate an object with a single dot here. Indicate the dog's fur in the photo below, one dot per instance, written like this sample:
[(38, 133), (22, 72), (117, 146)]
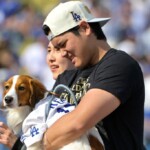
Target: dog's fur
[(21, 93)]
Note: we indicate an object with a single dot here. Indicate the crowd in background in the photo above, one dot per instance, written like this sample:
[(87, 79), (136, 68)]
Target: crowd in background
[(23, 43)]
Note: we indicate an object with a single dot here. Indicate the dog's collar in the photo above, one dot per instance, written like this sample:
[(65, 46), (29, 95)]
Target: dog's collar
[(53, 93)]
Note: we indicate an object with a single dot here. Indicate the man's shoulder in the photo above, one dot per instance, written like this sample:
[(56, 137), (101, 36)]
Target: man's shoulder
[(116, 61), (115, 56), (115, 53)]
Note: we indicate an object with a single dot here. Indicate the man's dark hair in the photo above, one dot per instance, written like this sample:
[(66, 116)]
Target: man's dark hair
[(94, 26)]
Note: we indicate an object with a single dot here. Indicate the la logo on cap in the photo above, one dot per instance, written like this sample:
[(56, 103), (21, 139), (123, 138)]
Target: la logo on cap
[(75, 16)]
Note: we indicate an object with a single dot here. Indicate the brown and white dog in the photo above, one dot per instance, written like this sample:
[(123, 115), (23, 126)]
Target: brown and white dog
[(21, 93)]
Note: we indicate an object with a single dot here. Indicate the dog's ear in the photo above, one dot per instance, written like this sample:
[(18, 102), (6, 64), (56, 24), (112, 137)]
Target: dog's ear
[(37, 91)]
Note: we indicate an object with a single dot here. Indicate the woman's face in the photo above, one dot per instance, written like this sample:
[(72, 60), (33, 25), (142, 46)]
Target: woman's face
[(57, 63)]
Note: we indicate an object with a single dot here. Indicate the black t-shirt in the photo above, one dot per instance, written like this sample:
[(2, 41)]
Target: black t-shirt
[(121, 75)]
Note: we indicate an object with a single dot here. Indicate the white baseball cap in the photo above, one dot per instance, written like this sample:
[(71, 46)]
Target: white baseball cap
[(68, 15)]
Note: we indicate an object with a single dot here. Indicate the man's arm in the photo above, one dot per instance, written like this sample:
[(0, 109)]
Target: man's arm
[(94, 106)]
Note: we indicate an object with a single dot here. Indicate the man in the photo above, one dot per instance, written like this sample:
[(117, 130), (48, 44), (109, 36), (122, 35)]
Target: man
[(108, 83)]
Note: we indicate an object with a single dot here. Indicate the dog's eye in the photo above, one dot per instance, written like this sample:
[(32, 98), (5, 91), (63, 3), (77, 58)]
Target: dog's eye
[(21, 88), (6, 87)]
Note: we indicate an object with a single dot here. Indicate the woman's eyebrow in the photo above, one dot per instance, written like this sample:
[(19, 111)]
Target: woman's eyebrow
[(57, 46)]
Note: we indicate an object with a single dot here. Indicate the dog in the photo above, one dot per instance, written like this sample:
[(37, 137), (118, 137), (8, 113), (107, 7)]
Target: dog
[(21, 94)]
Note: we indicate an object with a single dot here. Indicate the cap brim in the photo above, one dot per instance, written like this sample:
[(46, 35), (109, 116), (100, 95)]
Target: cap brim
[(102, 21)]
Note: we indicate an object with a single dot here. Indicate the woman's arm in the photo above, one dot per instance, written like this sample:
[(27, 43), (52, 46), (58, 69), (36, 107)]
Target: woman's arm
[(7, 137)]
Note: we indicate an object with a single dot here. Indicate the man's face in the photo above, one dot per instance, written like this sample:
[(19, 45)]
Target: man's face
[(74, 47)]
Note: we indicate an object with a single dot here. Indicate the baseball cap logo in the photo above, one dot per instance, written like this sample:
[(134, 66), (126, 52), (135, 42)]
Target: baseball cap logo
[(76, 17)]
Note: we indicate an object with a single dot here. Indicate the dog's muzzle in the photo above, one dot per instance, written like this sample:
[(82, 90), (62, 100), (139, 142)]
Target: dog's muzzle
[(8, 99)]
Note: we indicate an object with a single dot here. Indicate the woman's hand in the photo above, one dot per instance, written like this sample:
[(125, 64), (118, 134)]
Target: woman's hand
[(7, 136)]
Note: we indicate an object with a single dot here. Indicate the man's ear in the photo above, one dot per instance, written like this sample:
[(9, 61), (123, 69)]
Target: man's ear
[(85, 27)]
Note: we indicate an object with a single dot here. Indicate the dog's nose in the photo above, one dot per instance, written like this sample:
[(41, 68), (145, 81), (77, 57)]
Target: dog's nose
[(8, 99)]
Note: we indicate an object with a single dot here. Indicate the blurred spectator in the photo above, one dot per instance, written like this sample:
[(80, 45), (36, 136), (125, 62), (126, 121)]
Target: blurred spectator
[(8, 67), (20, 30), (32, 61), (147, 112)]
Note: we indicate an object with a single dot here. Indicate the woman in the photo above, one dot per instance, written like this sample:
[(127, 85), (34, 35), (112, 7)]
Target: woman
[(57, 65)]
